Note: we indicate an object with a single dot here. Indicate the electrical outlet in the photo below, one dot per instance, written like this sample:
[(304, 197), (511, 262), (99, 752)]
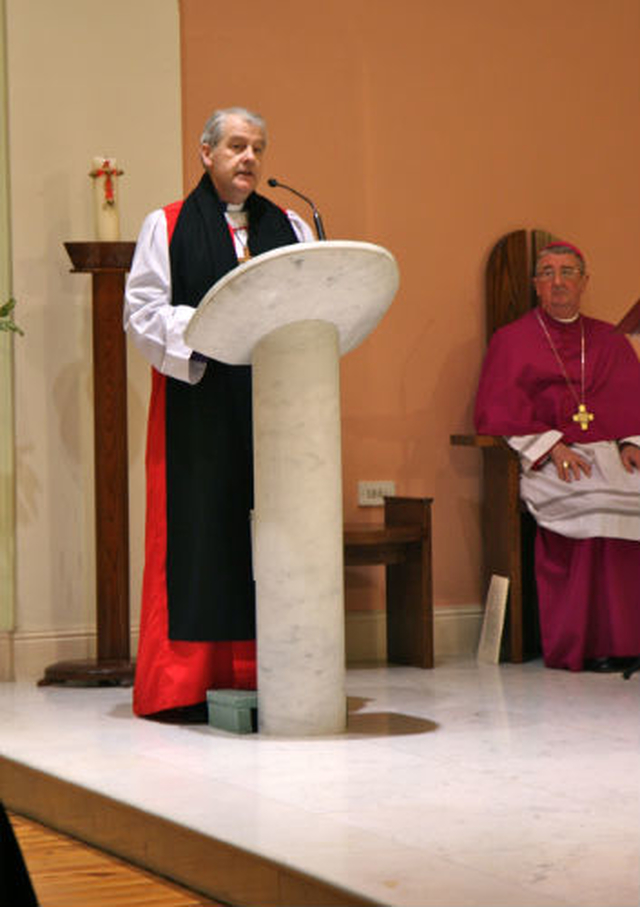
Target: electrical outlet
[(372, 494)]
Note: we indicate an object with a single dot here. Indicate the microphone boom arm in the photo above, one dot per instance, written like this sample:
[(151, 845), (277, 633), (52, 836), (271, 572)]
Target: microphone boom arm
[(317, 220)]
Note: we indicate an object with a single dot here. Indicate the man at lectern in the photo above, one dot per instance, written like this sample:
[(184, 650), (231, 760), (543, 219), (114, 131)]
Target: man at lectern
[(197, 627), (565, 391)]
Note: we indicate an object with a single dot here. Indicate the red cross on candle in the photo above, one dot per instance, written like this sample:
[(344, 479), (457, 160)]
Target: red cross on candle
[(108, 172)]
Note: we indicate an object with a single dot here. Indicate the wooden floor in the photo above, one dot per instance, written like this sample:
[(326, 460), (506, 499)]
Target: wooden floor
[(66, 873)]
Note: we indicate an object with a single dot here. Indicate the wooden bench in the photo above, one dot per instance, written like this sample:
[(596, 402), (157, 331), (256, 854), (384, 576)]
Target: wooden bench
[(403, 544)]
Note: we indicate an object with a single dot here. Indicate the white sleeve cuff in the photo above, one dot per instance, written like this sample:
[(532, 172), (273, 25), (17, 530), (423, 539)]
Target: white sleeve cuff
[(532, 448), (155, 325)]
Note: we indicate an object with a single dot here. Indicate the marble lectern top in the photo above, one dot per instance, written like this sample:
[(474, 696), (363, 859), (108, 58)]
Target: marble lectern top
[(350, 284)]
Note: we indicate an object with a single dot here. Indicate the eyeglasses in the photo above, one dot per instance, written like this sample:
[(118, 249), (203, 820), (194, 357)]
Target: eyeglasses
[(566, 273)]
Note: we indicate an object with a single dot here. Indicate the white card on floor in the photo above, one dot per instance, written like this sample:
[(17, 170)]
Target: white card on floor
[(493, 623)]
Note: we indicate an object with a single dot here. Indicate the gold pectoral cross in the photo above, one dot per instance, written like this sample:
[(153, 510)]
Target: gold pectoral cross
[(583, 417)]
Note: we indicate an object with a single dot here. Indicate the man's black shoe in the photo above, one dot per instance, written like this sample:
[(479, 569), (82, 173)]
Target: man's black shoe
[(631, 668), (611, 665), (602, 665)]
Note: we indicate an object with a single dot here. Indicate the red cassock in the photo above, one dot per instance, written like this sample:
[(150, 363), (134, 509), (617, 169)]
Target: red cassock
[(171, 673), (174, 673), (588, 588)]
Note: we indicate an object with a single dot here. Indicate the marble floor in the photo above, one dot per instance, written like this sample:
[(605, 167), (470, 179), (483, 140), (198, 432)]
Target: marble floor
[(464, 785)]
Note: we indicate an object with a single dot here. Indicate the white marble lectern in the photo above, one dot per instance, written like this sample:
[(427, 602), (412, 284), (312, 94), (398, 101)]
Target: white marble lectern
[(291, 313)]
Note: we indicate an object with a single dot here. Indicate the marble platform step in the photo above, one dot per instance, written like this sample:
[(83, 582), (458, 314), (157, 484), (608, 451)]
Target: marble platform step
[(191, 859)]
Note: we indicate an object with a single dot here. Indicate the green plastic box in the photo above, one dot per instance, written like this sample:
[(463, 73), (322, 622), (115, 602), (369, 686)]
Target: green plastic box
[(233, 710)]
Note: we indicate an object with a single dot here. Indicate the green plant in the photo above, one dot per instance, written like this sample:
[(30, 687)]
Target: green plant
[(6, 317)]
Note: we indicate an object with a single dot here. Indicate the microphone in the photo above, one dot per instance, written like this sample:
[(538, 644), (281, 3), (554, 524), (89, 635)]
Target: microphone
[(317, 220)]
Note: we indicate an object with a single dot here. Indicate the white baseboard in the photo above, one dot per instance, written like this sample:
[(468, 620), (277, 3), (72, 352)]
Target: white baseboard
[(456, 631), (25, 655), (7, 670)]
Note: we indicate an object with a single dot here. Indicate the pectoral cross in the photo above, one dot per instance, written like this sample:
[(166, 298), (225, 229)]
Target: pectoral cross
[(583, 417)]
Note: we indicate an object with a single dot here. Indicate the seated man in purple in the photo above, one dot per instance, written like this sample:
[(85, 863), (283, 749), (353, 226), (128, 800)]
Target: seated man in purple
[(565, 391)]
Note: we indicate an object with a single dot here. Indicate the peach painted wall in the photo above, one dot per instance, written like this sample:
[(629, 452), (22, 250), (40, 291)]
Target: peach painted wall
[(433, 129)]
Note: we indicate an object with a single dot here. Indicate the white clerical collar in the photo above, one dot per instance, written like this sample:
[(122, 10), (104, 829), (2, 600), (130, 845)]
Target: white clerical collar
[(560, 320)]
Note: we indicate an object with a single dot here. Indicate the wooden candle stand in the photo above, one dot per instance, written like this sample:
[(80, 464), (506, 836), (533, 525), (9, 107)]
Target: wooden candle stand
[(108, 263)]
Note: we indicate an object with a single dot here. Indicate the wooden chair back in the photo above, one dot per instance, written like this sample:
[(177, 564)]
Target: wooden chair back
[(508, 276)]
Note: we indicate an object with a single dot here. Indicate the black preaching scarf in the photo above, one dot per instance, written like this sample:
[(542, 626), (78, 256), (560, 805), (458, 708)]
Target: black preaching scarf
[(209, 437)]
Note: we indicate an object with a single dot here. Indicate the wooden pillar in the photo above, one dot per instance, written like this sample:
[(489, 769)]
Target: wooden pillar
[(108, 263)]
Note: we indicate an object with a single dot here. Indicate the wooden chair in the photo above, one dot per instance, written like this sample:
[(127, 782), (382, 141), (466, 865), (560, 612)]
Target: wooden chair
[(507, 528)]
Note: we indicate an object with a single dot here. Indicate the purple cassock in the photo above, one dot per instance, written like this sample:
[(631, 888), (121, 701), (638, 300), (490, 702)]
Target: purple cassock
[(536, 372)]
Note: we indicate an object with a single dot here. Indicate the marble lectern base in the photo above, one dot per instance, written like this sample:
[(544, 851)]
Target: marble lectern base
[(291, 313), (297, 531)]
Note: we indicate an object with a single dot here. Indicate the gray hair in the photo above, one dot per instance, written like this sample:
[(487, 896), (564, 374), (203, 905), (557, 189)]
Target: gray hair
[(562, 248), (214, 127)]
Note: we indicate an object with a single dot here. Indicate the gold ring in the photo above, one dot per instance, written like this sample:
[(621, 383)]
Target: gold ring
[(565, 464)]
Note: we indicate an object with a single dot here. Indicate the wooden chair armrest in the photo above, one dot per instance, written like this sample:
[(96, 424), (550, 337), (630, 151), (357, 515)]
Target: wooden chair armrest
[(487, 441)]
